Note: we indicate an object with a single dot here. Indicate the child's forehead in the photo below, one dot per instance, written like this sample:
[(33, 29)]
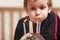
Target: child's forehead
[(38, 2)]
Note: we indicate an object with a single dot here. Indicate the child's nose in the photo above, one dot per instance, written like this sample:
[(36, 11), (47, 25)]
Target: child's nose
[(37, 12)]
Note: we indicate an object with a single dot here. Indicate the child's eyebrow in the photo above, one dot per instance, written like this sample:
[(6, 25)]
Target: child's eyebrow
[(37, 4), (42, 5), (32, 4)]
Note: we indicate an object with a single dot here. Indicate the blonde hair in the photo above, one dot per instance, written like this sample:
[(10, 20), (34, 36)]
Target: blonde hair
[(49, 3)]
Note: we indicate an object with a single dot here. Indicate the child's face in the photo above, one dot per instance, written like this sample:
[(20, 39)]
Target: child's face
[(37, 10)]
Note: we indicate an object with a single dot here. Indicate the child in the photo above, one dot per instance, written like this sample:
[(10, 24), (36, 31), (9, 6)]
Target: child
[(40, 20)]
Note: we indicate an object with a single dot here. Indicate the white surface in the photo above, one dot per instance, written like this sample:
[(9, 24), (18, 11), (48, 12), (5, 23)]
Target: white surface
[(7, 25), (56, 3), (11, 3), (20, 3)]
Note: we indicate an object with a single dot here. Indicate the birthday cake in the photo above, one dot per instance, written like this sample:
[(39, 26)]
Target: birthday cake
[(32, 36)]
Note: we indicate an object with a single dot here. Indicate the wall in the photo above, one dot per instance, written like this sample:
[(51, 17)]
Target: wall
[(19, 3), (11, 3)]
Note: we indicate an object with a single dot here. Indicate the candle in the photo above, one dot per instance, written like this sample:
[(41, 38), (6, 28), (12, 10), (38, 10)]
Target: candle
[(39, 26), (24, 28), (30, 27)]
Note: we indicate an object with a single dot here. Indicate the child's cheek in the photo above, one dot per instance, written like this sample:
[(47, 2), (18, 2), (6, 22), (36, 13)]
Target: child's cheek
[(32, 13)]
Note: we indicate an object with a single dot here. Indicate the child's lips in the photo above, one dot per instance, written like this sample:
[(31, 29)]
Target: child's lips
[(38, 18)]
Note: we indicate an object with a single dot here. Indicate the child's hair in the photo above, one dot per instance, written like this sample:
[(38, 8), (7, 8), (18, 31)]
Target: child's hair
[(49, 3)]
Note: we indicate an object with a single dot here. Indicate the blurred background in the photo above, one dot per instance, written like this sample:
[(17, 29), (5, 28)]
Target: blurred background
[(10, 12)]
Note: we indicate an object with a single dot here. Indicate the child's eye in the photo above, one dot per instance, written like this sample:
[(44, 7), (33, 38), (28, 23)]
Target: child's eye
[(43, 7), (33, 8)]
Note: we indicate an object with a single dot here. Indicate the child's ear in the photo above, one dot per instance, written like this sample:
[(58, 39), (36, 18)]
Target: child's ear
[(49, 10)]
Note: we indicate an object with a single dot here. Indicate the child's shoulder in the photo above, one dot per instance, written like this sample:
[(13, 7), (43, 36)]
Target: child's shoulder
[(24, 18), (53, 15)]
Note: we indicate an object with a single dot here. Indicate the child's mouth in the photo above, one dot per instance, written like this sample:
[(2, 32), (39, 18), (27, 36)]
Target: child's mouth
[(38, 18)]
